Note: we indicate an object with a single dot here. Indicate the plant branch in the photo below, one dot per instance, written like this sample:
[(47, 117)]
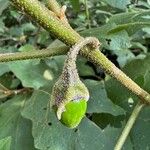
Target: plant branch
[(8, 92), (6, 57), (53, 24), (57, 9), (54, 6), (129, 125)]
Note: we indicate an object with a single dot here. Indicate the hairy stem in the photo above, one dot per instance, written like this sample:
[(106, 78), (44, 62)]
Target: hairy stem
[(56, 8), (91, 41), (6, 57), (52, 24), (129, 126), (70, 70)]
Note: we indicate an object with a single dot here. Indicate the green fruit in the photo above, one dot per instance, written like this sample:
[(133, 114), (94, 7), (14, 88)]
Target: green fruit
[(74, 112)]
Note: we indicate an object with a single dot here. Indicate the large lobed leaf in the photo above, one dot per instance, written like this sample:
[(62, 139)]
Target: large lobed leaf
[(50, 134)]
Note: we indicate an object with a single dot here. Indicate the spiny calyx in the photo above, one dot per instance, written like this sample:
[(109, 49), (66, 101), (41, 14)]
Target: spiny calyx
[(69, 93)]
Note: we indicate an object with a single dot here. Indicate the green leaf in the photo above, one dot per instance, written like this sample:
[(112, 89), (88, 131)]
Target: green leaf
[(26, 48), (16, 31), (3, 69), (99, 102), (43, 38), (130, 17), (131, 28), (113, 134), (119, 44), (56, 64), (2, 26), (8, 49), (28, 27), (12, 124), (4, 5), (140, 133), (75, 4), (47, 131), (147, 81), (50, 134), (31, 73), (141, 65), (119, 41), (91, 137), (121, 4), (83, 68), (103, 120), (131, 21), (99, 32), (138, 70), (5, 143)]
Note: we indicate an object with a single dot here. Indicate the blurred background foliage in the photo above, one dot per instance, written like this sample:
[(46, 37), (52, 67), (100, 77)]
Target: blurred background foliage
[(123, 28)]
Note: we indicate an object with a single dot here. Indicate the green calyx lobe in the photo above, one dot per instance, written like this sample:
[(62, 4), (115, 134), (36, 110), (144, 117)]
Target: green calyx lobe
[(73, 103), (74, 112)]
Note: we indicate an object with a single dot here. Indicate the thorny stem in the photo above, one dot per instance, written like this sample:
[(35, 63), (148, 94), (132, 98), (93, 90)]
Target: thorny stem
[(91, 41), (57, 9), (6, 57), (129, 126), (54, 6), (69, 70)]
